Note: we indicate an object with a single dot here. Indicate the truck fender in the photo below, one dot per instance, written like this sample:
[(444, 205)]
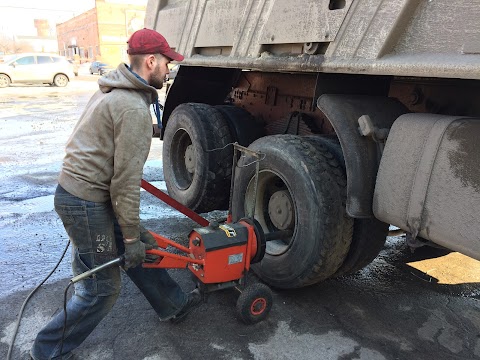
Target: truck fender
[(198, 85), (362, 155)]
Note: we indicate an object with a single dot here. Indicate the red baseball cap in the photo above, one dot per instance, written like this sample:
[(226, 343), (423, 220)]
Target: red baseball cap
[(147, 41)]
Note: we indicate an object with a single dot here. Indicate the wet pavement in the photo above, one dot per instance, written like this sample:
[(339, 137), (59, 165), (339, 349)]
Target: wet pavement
[(424, 305)]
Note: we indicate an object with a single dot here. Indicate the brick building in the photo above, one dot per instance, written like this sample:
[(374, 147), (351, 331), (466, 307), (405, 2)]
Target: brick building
[(100, 34)]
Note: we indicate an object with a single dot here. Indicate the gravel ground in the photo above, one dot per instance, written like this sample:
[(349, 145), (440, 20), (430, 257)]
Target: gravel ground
[(403, 306)]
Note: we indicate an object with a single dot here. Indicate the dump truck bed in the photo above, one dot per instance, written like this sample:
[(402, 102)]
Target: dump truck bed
[(434, 38)]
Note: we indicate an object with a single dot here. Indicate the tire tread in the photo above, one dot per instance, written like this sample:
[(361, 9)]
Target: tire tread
[(367, 235)]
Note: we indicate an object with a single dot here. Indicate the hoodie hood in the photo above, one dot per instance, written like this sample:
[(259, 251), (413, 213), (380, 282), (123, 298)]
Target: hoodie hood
[(123, 78)]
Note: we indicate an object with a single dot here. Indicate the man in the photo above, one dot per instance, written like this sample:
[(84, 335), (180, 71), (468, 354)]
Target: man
[(98, 199)]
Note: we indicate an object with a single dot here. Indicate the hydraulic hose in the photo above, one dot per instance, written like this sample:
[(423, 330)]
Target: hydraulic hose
[(20, 314)]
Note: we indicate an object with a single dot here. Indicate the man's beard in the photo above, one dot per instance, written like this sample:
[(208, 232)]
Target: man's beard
[(155, 80)]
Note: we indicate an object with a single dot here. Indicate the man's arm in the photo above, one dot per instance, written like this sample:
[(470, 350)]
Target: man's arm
[(132, 138)]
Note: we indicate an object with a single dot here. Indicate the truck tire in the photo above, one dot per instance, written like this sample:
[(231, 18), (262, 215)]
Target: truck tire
[(243, 126), (302, 189), (369, 235), (368, 240), (197, 163)]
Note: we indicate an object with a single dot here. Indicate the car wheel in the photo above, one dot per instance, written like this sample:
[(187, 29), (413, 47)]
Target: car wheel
[(4, 81), (60, 80)]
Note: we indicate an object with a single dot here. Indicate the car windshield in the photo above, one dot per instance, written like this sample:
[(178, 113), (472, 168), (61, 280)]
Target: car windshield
[(11, 58), (7, 58)]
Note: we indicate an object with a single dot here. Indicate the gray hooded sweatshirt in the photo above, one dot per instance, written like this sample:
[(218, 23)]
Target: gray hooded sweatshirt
[(109, 145)]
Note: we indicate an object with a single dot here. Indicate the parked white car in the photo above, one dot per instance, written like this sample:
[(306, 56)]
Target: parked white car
[(173, 72), (36, 68)]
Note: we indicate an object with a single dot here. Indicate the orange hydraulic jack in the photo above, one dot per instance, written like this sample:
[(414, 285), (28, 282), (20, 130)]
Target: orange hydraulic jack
[(220, 255)]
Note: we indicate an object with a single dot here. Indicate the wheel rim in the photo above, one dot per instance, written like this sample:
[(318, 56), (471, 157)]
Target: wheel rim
[(280, 210), (258, 306), (190, 159), (3, 81), (61, 80), (183, 159), (274, 208)]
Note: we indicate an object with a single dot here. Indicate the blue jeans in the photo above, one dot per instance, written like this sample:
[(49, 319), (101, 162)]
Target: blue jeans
[(96, 238)]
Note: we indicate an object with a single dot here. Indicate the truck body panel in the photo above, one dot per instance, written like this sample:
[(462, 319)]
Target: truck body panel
[(379, 37)]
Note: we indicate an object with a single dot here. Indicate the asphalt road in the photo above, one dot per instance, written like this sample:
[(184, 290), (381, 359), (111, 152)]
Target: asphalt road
[(403, 306)]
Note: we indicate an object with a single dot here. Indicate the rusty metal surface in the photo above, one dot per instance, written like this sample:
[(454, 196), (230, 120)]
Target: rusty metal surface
[(276, 98), (383, 37), (438, 96)]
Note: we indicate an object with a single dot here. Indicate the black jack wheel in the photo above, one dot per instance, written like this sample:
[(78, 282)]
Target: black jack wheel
[(254, 303)]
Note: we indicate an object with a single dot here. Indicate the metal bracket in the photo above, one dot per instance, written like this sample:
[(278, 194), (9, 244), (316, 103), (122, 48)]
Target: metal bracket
[(258, 157)]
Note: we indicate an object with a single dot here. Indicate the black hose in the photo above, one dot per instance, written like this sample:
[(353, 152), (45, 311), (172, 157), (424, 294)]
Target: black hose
[(65, 318), (19, 317)]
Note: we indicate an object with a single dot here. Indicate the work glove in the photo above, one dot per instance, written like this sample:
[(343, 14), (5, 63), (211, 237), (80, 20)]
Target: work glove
[(135, 252), (148, 239)]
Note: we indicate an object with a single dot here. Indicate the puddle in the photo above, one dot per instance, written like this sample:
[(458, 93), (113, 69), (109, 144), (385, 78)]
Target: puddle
[(36, 205)]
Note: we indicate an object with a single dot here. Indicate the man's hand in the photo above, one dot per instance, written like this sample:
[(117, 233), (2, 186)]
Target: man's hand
[(134, 252), (147, 238), (150, 243)]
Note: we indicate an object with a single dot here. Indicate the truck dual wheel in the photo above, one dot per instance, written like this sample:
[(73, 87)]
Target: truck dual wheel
[(243, 126), (301, 188), (60, 80), (368, 240), (254, 303), (369, 235), (197, 160)]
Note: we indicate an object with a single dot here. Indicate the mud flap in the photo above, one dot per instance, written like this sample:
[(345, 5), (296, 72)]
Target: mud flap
[(361, 153)]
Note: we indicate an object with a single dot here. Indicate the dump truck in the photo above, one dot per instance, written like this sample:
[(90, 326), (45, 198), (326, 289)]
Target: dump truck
[(365, 115)]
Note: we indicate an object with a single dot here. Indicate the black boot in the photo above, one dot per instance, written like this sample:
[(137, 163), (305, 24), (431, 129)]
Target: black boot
[(194, 300)]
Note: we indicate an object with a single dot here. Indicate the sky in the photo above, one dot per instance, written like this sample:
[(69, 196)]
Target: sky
[(17, 16)]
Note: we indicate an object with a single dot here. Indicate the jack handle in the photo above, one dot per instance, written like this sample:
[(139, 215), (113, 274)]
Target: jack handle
[(117, 261)]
